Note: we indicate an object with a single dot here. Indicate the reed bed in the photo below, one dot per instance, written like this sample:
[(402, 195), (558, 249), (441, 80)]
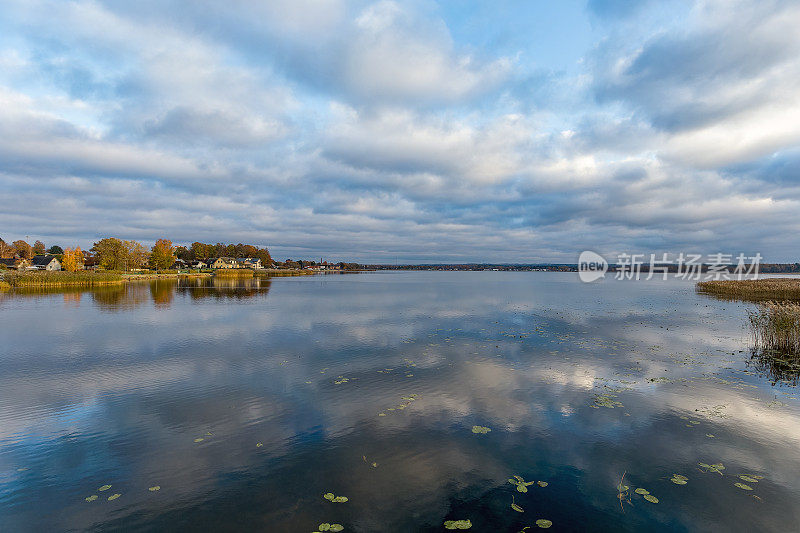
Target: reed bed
[(776, 327), (759, 289), (57, 279), (233, 273), (278, 273)]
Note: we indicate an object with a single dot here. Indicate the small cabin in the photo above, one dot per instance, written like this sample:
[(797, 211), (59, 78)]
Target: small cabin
[(45, 262)]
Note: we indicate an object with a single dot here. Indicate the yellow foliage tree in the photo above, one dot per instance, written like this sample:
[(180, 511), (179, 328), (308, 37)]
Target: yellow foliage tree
[(73, 259)]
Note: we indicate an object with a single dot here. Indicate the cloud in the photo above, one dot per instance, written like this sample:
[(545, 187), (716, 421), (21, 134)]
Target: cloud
[(380, 130)]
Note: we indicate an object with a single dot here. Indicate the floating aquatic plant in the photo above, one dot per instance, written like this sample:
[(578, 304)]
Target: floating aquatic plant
[(717, 467), (481, 430), (155, 488), (650, 498), (199, 439), (104, 487), (749, 479), (114, 497), (521, 484), (91, 498), (542, 483), (457, 524), (743, 486), (642, 491), (544, 523), (678, 479), (335, 499), (330, 527)]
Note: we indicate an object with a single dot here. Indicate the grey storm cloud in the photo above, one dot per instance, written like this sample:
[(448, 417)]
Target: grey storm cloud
[(374, 130)]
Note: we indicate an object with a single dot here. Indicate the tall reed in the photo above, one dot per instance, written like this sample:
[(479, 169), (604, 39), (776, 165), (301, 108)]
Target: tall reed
[(776, 326)]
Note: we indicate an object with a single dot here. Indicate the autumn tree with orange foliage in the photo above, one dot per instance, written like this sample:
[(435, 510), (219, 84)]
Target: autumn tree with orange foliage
[(73, 259), (162, 255)]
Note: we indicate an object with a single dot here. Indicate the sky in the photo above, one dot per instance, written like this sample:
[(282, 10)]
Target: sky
[(418, 131)]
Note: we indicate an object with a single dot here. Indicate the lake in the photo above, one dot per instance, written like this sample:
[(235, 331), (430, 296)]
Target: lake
[(236, 406)]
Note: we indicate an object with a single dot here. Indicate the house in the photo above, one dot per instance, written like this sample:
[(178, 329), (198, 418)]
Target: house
[(179, 264), (198, 264), (14, 263), (248, 262), (222, 262), (45, 262)]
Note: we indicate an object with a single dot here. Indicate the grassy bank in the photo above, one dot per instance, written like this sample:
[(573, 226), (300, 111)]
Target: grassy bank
[(59, 279), (776, 327), (277, 273), (4, 286), (760, 289)]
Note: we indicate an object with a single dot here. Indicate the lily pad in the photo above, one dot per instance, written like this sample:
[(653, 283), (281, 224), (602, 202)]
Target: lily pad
[(259, 444), (340, 499), (104, 487), (91, 498), (324, 527), (743, 486), (457, 524), (522, 488), (336, 528), (199, 439), (517, 508), (678, 481), (154, 488), (650, 498), (748, 479), (114, 497), (328, 496), (642, 491), (542, 483), (544, 523), (481, 430)]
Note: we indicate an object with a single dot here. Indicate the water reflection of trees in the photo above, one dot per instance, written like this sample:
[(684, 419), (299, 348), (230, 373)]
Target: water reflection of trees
[(779, 367), (120, 297), (224, 288)]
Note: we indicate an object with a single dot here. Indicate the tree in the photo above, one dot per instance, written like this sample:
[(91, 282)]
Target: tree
[(23, 249), (55, 250), (137, 254), (73, 259), (111, 253), (6, 250), (162, 255), (38, 248)]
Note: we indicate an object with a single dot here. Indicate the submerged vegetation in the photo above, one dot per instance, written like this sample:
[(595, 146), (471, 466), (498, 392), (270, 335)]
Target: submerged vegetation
[(55, 279), (776, 327), (753, 289)]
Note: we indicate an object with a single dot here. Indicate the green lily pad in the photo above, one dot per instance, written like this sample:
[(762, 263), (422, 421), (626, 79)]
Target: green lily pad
[(678, 481), (483, 430), (114, 497), (457, 524), (154, 488), (650, 498), (341, 499), (743, 486), (748, 479), (328, 496), (259, 444), (681, 477), (324, 527), (199, 439), (522, 488), (336, 528), (517, 508), (91, 498), (642, 491), (543, 523), (542, 483), (622, 488)]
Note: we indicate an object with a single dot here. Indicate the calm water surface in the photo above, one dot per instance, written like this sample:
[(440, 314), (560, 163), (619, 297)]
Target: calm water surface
[(246, 402)]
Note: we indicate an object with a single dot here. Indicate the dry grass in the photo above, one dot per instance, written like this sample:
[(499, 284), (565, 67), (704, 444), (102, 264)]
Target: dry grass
[(760, 289), (233, 273), (776, 326), (55, 279)]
